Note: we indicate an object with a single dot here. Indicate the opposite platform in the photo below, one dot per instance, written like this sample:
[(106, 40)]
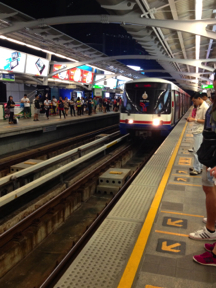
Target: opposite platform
[(28, 133), (144, 240)]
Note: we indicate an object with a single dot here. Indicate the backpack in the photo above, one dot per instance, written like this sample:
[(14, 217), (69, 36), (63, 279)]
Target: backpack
[(207, 151)]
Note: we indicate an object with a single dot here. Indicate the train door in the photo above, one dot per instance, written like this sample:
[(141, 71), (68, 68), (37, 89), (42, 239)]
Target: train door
[(181, 104), (173, 107), (177, 110)]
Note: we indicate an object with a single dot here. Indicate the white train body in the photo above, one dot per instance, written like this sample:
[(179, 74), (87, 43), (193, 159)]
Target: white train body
[(152, 104)]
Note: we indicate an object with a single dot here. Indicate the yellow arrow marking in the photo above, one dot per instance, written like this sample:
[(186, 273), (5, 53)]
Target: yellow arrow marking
[(182, 172), (182, 179), (189, 135), (170, 247), (174, 223), (184, 161)]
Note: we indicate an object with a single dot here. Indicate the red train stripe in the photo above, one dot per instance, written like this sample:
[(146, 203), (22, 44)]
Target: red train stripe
[(146, 122)]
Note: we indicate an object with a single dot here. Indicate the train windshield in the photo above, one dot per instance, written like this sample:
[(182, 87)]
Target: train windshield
[(148, 98)]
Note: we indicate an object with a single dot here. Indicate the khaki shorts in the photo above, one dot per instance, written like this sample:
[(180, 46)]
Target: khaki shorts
[(207, 179), (36, 111)]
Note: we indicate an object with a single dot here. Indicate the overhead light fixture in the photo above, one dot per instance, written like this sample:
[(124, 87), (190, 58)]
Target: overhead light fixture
[(198, 14)]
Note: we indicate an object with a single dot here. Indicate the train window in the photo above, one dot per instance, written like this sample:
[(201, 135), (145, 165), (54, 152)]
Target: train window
[(150, 98)]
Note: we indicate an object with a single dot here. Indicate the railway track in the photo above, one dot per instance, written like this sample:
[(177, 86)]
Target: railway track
[(60, 203), (50, 150)]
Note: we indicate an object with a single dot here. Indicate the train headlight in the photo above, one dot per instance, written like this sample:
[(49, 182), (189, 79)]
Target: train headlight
[(129, 121), (156, 122)]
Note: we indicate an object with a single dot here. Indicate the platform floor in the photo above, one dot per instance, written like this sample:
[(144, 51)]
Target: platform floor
[(144, 240), (29, 124)]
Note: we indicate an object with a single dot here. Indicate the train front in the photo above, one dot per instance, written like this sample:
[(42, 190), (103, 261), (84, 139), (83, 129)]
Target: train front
[(146, 108)]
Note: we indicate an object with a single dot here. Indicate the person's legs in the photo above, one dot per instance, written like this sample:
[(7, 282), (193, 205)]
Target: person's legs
[(63, 113), (54, 108), (47, 113), (71, 110), (60, 113), (197, 142), (74, 110)]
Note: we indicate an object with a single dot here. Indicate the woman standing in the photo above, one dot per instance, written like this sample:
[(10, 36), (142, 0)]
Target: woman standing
[(66, 106), (46, 107), (72, 110), (90, 106), (79, 104), (61, 107), (10, 106)]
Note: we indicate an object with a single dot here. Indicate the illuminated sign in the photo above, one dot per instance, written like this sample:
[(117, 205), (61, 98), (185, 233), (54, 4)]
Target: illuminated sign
[(75, 74), (7, 77), (207, 86), (12, 60), (98, 86), (37, 66), (62, 75)]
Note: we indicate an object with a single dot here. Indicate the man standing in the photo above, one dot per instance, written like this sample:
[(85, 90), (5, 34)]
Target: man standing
[(197, 130), (206, 99), (54, 104), (26, 102), (82, 105), (36, 108)]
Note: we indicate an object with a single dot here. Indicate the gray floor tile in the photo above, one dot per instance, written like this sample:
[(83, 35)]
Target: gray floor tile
[(172, 206)]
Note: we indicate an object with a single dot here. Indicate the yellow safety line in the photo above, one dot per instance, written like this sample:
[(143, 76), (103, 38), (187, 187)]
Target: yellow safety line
[(129, 274), (184, 214), (177, 183), (171, 233)]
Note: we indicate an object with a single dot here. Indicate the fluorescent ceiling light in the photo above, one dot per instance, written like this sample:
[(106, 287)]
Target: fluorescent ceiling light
[(198, 13), (135, 68)]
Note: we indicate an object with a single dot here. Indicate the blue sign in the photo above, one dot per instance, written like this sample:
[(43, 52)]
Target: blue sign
[(7, 77)]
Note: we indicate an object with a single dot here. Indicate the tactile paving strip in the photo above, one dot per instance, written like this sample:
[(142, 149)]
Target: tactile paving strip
[(100, 263), (135, 204)]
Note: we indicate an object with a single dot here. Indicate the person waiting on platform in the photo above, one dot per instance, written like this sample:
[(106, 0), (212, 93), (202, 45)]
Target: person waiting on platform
[(10, 106), (197, 129), (95, 105), (90, 106), (82, 105), (206, 99), (79, 104), (66, 106), (26, 103), (104, 105), (193, 114), (100, 104), (208, 232), (54, 104), (72, 103), (61, 107), (36, 108), (46, 107)]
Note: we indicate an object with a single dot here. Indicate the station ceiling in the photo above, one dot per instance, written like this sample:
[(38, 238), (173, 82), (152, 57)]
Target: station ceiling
[(90, 40)]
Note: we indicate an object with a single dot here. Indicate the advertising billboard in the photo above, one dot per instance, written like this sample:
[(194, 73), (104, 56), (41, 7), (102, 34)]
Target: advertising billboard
[(87, 77), (62, 75), (12, 60), (37, 66), (76, 75)]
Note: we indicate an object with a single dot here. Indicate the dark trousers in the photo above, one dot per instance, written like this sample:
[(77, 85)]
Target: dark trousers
[(72, 110), (79, 109), (11, 117), (62, 112), (54, 109), (89, 110), (47, 113), (82, 109)]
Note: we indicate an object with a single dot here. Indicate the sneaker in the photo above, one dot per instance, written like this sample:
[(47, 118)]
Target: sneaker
[(209, 247), (191, 169), (194, 173), (205, 259), (203, 234), (191, 150)]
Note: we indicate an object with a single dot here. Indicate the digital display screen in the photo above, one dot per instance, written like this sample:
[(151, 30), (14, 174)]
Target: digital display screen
[(62, 75), (37, 66), (143, 85), (12, 60)]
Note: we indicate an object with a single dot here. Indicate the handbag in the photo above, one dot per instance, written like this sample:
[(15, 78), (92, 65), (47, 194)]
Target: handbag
[(207, 151)]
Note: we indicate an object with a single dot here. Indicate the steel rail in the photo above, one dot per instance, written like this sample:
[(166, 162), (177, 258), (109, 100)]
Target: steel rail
[(34, 184), (52, 160), (6, 236)]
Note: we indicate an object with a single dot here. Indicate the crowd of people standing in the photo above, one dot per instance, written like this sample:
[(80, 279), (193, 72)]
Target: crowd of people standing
[(78, 106)]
